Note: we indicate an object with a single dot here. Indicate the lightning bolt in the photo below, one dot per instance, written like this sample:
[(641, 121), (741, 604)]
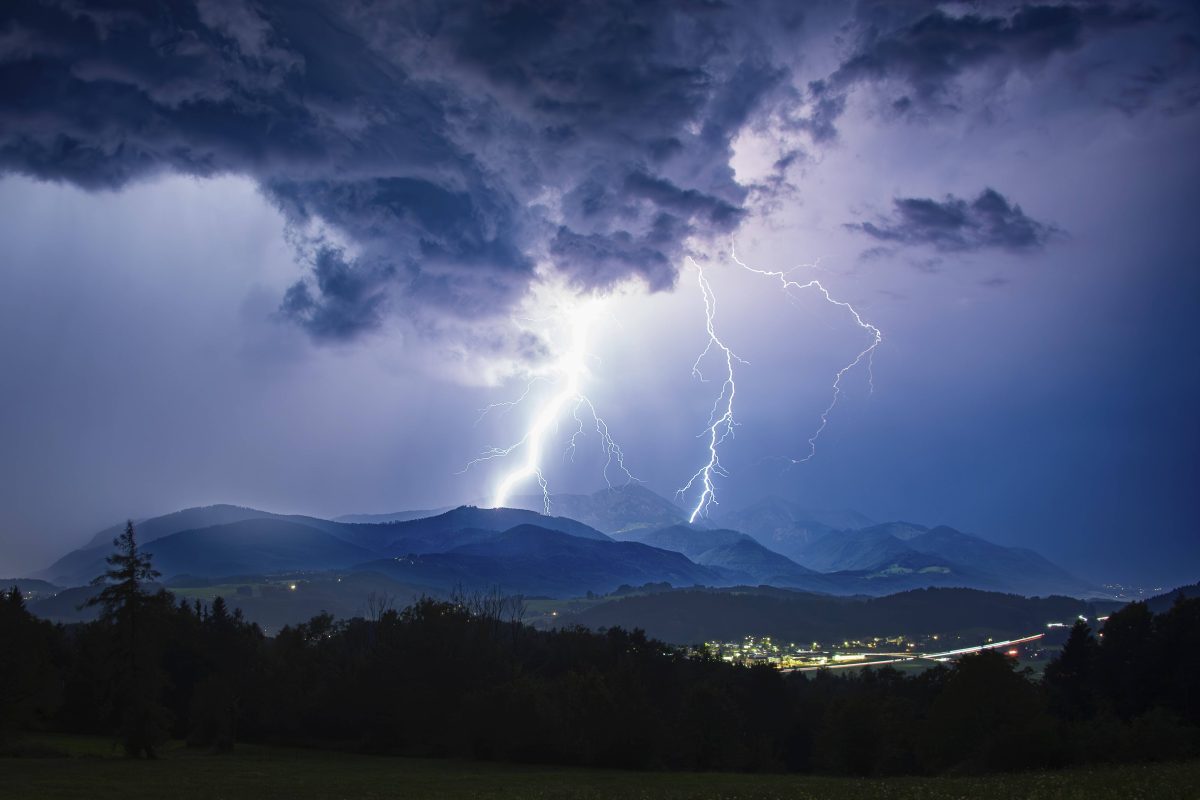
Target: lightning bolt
[(868, 353), (720, 419), (506, 405), (568, 374)]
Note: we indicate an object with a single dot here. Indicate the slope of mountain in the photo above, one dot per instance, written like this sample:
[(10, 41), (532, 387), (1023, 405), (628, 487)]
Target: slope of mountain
[(877, 560), (1162, 603), (613, 510), (528, 559), (763, 567), (80, 566), (395, 516), (373, 540), (903, 575), (904, 556), (30, 588), (69, 605), (1016, 568), (901, 530), (740, 558), (777, 510), (252, 546), (185, 520), (869, 549), (429, 535), (787, 528), (684, 538), (840, 519), (77, 567)]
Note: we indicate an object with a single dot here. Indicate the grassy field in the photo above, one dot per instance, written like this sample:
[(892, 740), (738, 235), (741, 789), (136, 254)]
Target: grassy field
[(93, 771)]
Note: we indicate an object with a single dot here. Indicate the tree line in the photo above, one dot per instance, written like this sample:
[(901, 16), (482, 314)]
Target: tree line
[(467, 678)]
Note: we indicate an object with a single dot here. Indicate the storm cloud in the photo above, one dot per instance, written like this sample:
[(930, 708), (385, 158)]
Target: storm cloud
[(429, 155), (921, 52), (955, 224)]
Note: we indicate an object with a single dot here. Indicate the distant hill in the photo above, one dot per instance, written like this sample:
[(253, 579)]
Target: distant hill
[(369, 541), (869, 549), (689, 616), (620, 508), (904, 531), (791, 549), (780, 510), (188, 519), (532, 560), (903, 556), (67, 605), (786, 527), (1016, 568), (252, 546), (1163, 602), (395, 516), (741, 558), (684, 538), (80, 566), (29, 587), (759, 565), (429, 535)]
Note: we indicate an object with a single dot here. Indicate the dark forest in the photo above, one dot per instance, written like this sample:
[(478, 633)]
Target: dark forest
[(466, 678)]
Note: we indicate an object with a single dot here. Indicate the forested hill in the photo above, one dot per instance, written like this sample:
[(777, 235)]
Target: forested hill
[(1163, 602), (690, 616)]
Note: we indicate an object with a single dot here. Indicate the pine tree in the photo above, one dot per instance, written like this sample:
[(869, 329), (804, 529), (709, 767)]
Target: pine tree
[(129, 609), (1071, 679), (123, 582)]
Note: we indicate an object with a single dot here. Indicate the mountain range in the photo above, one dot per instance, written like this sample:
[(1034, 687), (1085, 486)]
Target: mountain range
[(617, 509), (529, 559), (739, 555), (624, 536)]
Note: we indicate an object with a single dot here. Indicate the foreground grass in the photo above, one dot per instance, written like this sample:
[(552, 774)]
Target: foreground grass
[(93, 771)]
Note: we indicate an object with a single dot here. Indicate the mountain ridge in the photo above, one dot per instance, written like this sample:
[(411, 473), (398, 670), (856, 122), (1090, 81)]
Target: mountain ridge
[(528, 559), (881, 558)]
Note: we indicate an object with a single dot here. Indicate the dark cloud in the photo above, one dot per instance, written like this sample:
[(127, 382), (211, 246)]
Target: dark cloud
[(351, 298), (1172, 78), (924, 50), (935, 49), (450, 147), (954, 224)]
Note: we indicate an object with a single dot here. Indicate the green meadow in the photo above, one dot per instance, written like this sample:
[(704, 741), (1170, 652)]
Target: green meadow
[(85, 768)]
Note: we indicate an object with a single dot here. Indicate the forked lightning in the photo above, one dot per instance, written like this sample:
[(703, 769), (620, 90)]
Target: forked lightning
[(721, 425), (569, 373), (568, 376), (720, 419)]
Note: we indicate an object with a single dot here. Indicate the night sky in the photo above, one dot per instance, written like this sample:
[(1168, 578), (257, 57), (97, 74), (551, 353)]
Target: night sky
[(281, 254)]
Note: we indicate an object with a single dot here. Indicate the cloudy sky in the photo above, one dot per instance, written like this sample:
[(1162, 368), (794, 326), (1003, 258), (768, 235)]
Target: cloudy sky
[(281, 254)]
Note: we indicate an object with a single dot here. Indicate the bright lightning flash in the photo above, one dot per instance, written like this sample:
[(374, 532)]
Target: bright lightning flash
[(568, 375), (721, 421)]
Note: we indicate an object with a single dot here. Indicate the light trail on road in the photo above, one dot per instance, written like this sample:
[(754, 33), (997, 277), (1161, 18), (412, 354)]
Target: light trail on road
[(921, 657)]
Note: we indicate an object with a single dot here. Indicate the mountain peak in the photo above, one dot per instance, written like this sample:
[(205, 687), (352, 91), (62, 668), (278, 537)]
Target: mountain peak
[(613, 510)]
